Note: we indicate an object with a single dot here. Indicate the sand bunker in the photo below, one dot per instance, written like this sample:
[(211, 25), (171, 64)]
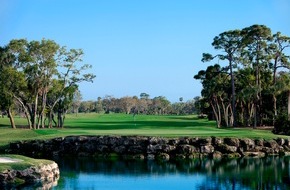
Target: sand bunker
[(9, 160)]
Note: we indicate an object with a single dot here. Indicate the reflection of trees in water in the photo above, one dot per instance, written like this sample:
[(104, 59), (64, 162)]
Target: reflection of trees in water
[(265, 173), (262, 173)]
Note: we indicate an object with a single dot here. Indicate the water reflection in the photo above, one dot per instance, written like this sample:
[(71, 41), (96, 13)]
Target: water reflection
[(85, 173), (42, 185)]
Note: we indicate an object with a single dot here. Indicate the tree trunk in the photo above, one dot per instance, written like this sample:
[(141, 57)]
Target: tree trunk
[(55, 123), (216, 114), (42, 115), (225, 111), (274, 83), (233, 94), (39, 120), (275, 108), (255, 116), (242, 114), (60, 119), (288, 105), (26, 112), (34, 114), (257, 96), (28, 119), (11, 118), (50, 118)]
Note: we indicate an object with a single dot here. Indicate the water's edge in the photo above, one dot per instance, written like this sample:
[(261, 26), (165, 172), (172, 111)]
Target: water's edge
[(150, 148)]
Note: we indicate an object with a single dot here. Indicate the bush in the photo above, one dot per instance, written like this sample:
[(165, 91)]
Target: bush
[(282, 125), (202, 116)]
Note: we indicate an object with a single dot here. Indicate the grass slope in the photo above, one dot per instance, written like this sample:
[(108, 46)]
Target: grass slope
[(122, 124), (25, 162)]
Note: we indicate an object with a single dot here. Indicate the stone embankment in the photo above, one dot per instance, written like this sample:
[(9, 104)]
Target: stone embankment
[(46, 174), (138, 147)]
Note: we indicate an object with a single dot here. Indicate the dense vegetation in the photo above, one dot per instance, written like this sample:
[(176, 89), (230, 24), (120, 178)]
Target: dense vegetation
[(250, 83), (134, 105)]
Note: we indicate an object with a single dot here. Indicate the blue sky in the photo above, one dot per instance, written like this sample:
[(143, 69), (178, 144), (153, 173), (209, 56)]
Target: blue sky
[(136, 46)]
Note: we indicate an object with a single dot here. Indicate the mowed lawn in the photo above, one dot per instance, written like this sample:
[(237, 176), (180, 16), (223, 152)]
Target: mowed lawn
[(122, 124)]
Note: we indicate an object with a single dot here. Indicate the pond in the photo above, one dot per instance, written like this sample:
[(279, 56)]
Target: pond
[(262, 173), (202, 174)]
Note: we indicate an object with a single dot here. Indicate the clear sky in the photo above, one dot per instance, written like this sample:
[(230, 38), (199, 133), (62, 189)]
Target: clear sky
[(136, 46)]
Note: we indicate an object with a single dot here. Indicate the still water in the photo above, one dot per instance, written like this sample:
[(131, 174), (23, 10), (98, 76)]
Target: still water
[(205, 174), (88, 173)]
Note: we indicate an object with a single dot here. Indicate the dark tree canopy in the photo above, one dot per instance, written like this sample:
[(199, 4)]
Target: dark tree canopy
[(242, 89)]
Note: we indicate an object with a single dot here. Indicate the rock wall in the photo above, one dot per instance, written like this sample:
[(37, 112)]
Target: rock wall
[(47, 175), (138, 147)]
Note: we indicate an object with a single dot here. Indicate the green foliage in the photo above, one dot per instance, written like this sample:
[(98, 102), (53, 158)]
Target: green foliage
[(41, 77), (245, 91), (282, 125)]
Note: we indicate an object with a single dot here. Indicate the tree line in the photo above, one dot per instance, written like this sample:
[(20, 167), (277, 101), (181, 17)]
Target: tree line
[(40, 78), (249, 82), (133, 105)]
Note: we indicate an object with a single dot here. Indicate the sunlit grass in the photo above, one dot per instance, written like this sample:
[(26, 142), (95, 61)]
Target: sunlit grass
[(23, 162), (122, 124)]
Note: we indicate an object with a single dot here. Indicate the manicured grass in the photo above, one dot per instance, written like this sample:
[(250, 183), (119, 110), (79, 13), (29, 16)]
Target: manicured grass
[(24, 163), (121, 124)]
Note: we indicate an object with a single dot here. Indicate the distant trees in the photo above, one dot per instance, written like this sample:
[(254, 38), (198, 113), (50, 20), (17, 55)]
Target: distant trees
[(133, 105), (243, 87), (42, 78)]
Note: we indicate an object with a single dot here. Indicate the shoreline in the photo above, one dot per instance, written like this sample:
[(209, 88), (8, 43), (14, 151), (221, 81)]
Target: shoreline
[(18, 170), (150, 148)]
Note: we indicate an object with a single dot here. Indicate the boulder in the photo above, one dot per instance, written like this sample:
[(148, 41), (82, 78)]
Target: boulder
[(185, 149), (180, 157), (138, 157), (254, 154), (247, 144), (232, 142), (150, 157), (225, 149), (136, 149), (217, 141), (184, 140), (259, 142), (271, 144), (232, 155), (216, 155), (163, 157), (205, 141), (281, 141), (173, 142), (119, 149), (207, 149)]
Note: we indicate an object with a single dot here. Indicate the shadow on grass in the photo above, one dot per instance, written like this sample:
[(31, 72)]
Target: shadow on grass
[(3, 126), (187, 118), (111, 125)]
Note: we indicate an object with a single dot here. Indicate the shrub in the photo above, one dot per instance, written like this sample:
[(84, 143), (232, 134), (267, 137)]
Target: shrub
[(282, 125)]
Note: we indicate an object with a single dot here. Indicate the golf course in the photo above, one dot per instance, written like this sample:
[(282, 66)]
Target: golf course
[(126, 124)]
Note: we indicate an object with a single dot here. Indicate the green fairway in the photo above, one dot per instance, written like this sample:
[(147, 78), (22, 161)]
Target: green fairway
[(121, 124)]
